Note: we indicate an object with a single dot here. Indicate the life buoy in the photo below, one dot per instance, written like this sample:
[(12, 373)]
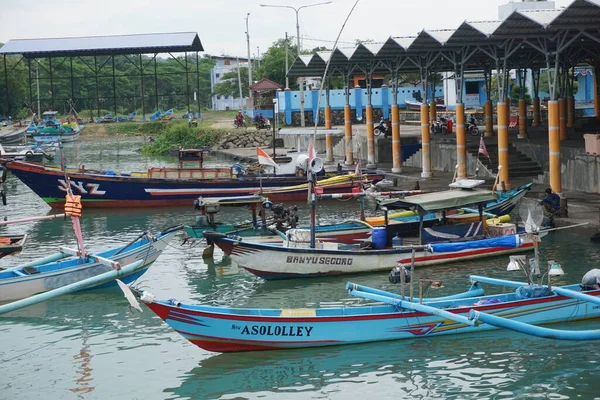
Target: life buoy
[(73, 205)]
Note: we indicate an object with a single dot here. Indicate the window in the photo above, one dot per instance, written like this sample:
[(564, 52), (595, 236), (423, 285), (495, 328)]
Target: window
[(217, 75), (227, 62), (471, 87)]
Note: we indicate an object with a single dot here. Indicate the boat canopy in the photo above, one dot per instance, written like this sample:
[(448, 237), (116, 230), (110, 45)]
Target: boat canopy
[(437, 201)]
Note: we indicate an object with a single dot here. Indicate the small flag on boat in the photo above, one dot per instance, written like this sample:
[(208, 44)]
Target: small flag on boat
[(482, 148), (264, 158), (357, 170)]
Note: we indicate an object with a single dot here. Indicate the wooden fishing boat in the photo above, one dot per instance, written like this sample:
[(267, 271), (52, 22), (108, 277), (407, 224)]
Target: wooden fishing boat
[(444, 243), (222, 329), (167, 187), (11, 244), (49, 274), (13, 134), (268, 230)]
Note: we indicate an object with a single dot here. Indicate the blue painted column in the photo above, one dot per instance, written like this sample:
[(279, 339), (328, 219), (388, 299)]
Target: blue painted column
[(385, 101), (315, 101), (287, 94), (358, 102)]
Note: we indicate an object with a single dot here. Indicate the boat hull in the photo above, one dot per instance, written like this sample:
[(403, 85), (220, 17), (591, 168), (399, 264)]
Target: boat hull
[(14, 285), (277, 262), (118, 191), (233, 330)]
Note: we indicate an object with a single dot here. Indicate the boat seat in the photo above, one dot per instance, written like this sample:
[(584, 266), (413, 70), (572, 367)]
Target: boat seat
[(31, 270)]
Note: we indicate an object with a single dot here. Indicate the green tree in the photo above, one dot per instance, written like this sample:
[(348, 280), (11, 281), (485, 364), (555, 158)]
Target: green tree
[(273, 63)]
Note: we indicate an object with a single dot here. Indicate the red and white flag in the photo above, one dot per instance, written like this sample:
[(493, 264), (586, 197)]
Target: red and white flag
[(264, 158), (482, 149), (357, 170)]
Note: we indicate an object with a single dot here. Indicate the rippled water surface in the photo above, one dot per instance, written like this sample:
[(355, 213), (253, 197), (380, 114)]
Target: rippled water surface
[(90, 346)]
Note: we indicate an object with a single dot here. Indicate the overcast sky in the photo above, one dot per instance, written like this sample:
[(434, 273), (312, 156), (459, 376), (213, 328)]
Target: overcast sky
[(221, 23)]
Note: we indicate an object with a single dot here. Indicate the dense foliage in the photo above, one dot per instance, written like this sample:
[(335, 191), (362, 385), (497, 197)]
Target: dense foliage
[(181, 135)]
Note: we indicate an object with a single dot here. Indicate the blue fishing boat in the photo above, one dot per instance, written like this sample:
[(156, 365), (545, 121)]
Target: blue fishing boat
[(156, 115), (222, 329), (43, 275)]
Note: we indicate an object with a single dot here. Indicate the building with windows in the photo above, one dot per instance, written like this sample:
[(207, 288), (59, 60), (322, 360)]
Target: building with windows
[(225, 64)]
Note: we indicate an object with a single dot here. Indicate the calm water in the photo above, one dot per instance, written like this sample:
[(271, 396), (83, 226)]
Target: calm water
[(90, 346)]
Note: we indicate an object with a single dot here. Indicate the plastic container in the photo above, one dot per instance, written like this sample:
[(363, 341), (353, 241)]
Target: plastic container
[(397, 241), (379, 238)]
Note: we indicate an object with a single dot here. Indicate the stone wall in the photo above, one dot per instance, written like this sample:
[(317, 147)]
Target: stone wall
[(244, 138), (443, 158)]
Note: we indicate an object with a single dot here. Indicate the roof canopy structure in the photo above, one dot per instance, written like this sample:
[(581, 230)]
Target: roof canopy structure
[(522, 40), (105, 45)]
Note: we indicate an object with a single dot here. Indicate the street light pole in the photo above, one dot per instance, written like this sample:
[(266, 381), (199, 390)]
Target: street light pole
[(249, 66), (297, 10)]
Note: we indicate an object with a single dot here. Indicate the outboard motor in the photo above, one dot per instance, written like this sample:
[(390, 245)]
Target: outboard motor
[(591, 280), (395, 276)]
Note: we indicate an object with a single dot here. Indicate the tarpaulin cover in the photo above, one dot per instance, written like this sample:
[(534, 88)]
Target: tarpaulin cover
[(512, 241), (447, 199)]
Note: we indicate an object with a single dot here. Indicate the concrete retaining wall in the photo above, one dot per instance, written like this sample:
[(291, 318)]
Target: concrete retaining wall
[(443, 158)]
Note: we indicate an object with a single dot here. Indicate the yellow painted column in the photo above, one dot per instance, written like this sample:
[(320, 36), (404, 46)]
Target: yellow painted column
[(522, 119), (570, 111), (370, 137), (348, 134), (562, 118), (537, 121), (461, 150), (432, 112), (328, 138), (503, 144), (425, 139), (554, 144), (489, 118), (396, 148)]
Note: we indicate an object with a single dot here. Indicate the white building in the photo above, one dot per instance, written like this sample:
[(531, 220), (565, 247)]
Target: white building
[(506, 9), (225, 64)]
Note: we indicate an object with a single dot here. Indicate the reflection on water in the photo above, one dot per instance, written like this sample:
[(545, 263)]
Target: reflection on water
[(91, 346)]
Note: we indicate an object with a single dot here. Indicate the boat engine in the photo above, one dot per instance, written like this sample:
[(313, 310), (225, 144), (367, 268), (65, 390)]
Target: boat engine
[(395, 276), (591, 280)]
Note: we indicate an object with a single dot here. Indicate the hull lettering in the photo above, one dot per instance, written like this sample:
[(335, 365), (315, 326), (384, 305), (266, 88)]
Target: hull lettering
[(277, 330)]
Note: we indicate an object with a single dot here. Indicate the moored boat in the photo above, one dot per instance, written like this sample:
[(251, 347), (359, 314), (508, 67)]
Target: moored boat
[(41, 276), (222, 329), (160, 187)]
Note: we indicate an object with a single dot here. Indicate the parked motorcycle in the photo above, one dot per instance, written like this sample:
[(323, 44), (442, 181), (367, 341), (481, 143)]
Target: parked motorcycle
[(384, 127)]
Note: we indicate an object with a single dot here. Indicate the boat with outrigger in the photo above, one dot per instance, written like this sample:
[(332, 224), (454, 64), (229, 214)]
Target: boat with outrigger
[(395, 316)]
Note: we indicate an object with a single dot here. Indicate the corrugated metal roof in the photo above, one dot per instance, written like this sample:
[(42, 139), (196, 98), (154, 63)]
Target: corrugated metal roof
[(581, 17), (105, 45)]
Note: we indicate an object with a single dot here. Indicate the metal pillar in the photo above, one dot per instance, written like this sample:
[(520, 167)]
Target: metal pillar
[(348, 126), (97, 91), (425, 141), (535, 75), (155, 83), (522, 119), (396, 145), (6, 87), (114, 85), (51, 83), (198, 78), (461, 149), (72, 83), (503, 144), (142, 86), (29, 82), (370, 128), (488, 108), (554, 145), (187, 85), (562, 118)]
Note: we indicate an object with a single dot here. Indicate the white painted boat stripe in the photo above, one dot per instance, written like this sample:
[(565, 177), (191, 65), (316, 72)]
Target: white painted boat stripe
[(555, 153)]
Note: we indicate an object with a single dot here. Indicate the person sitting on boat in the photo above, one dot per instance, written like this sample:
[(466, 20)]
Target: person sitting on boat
[(551, 202)]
